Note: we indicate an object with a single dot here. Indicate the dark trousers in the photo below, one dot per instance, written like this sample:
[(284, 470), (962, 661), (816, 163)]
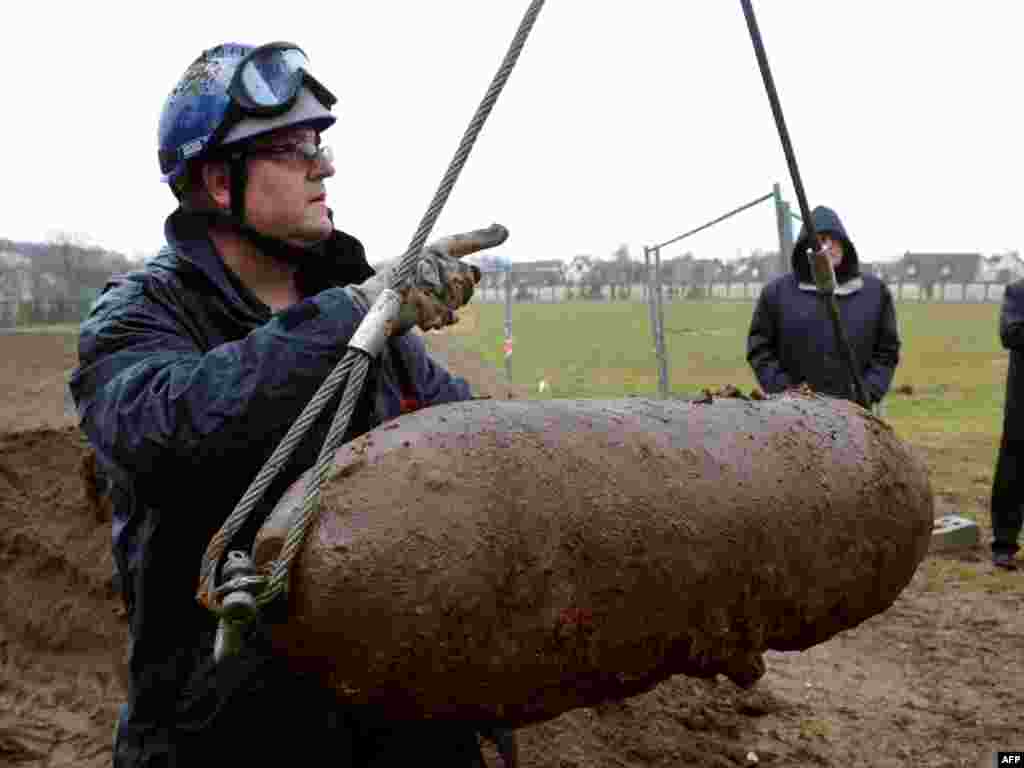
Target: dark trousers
[(1008, 496), (282, 741), (253, 710)]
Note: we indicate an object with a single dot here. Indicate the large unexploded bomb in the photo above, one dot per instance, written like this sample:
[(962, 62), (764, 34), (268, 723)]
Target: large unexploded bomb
[(512, 560)]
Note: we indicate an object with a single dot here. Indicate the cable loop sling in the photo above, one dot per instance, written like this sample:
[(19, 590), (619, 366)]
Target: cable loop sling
[(351, 371)]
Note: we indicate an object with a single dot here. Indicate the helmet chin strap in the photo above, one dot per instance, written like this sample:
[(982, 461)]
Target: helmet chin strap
[(293, 255)]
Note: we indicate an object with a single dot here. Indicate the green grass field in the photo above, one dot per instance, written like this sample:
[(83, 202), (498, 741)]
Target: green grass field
[(951, 355), (951, 358)]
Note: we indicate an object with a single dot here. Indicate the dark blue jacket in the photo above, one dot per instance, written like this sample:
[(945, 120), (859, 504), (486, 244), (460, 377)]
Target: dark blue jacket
[(186, 384), (791, 340), (1011, 333)]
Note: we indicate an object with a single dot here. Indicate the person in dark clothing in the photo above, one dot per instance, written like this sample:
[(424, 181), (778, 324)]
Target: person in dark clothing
[(192, 369), (791, 340), (1007, 486)]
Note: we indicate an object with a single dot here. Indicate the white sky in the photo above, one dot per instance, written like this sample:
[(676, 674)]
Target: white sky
[(623, 122)]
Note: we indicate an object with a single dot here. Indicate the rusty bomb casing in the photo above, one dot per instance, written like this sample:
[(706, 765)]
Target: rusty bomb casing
[(511, 560)]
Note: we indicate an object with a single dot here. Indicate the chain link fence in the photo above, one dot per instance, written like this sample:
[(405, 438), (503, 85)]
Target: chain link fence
[(492, 289)]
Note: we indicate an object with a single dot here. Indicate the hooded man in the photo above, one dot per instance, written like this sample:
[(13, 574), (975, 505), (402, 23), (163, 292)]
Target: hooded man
[(791, 341), (1007, 500)]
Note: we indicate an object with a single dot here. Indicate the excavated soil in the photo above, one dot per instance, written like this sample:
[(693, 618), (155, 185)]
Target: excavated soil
[(937, 680)]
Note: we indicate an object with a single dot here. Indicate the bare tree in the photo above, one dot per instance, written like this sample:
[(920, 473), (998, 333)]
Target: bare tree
[(71, 252), (623, 273)]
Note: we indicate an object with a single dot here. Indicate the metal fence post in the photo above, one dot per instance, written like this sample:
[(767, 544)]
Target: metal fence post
[(651, 308), (782, 225), (660, 327), (787, 237), (654, 309)]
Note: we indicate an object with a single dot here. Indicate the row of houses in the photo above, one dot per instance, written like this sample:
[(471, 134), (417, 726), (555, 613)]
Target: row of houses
[(953, 268), (924, 269), (44, 296)]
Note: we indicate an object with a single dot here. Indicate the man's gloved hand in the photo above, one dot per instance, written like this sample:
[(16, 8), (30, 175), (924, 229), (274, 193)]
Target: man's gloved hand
[(504, 740), (439, 284)]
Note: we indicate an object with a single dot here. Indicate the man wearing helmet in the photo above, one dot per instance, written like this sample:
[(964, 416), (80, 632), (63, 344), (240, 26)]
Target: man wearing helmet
[(191, 371)]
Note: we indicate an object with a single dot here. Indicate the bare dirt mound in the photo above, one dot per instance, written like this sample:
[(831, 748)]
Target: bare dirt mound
[(62, 631), (936, 680)]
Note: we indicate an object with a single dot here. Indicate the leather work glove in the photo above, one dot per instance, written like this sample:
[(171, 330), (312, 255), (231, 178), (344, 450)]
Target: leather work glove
[(504, 740), (439, 284)]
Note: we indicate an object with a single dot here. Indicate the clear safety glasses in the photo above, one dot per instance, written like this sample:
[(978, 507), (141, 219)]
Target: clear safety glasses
[(302, 150), (268, 80)]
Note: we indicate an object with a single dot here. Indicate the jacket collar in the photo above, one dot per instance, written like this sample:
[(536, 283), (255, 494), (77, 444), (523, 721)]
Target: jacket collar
[(341, 261)]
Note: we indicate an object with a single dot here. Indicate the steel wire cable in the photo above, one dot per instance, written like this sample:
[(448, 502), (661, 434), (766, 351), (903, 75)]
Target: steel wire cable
[(720, 219), (355, 364), (409, 259), (827, 296), (278, 581), (268, 472)]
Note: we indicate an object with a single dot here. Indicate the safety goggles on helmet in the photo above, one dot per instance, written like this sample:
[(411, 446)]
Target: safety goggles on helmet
[(267, 83), (268, 79), (234, 93)]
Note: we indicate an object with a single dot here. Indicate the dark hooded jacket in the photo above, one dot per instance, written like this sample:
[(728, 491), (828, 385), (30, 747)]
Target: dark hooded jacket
[(1007, 491), (791, 340), (1011, 333), (186, 384)]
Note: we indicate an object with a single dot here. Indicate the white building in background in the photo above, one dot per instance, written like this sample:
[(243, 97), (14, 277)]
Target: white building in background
[(578, 268), (1001, 268)]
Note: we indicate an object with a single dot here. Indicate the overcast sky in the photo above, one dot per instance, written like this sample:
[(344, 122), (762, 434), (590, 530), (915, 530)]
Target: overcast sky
[(623, 122)]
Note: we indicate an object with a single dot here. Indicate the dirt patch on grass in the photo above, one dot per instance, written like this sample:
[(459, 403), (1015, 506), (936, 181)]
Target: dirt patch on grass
[(484, 379), (936, 680), (33, 380), (962, 466)]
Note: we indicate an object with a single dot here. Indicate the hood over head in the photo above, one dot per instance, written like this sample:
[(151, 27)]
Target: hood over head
[(825, 220)]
